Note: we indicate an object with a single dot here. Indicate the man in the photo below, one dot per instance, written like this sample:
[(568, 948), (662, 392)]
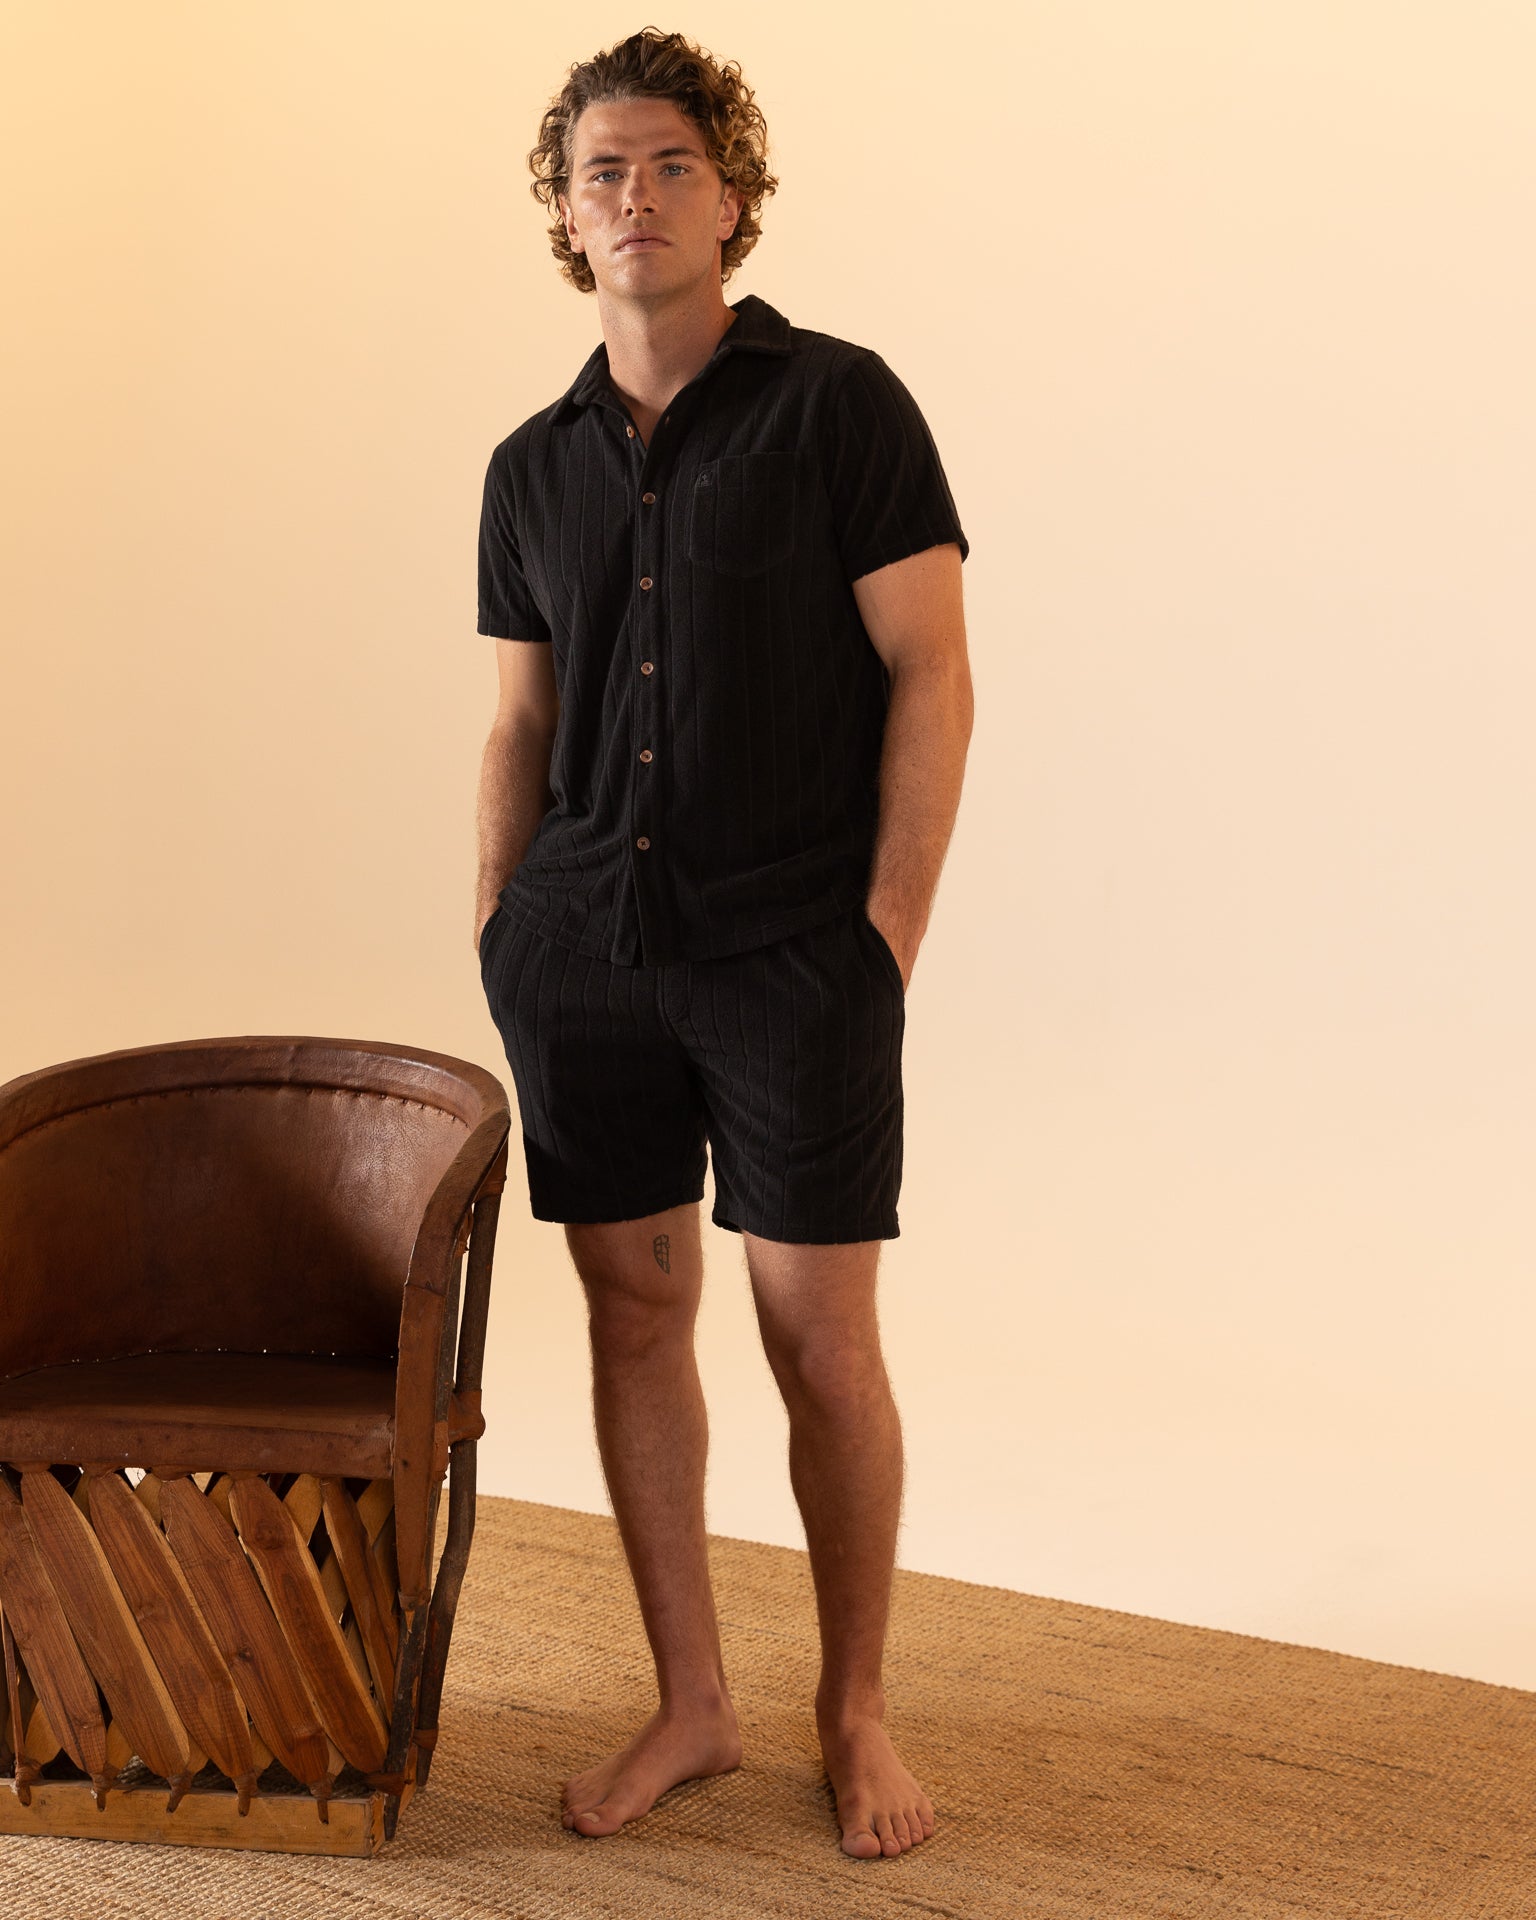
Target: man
[(723, 576)]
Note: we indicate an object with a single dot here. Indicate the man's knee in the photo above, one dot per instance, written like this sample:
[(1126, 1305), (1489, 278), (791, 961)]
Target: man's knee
[(828, 1368), (817, 1315), (642, 1278)]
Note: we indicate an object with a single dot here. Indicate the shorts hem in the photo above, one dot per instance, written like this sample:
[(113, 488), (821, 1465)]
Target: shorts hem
[(815, 1234), (598, 1214)]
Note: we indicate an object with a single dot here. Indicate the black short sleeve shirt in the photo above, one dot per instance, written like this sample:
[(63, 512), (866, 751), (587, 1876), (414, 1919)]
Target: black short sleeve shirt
[(715, 768)]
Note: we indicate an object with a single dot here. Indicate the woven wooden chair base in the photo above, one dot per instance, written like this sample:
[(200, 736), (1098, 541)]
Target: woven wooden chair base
[(208, 1658)]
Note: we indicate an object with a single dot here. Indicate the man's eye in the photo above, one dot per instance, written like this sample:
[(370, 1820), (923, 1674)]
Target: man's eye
[(610, 173)]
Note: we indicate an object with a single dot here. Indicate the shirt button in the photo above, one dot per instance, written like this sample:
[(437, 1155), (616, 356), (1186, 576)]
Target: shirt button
[(630, 431), (642, 842), (646, 583), (649, 499), (645, 755), (646, 667)]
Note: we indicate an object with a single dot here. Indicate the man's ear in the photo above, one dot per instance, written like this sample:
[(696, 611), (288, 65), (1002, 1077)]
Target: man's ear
[(577, 246), (728, 195)]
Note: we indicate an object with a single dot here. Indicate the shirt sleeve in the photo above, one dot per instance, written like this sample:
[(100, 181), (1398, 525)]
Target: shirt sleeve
[(507, 608), (890, 497)]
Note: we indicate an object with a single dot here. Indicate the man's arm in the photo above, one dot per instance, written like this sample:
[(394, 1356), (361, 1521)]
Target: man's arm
[(514, 769), (913, 613)]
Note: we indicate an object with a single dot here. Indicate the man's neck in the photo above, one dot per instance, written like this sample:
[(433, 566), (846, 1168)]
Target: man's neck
[(654, 349)]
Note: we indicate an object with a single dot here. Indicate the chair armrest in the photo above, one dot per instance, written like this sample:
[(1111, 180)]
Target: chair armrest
[(428, 1322)]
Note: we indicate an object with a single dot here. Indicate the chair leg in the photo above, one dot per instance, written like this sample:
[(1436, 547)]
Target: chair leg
[(445, 1598), (407, 1674)]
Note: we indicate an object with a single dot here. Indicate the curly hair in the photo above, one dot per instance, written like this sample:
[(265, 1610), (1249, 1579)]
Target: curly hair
[(713, 95)]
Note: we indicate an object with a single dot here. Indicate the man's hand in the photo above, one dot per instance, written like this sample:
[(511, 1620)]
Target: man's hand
[(903, 941)]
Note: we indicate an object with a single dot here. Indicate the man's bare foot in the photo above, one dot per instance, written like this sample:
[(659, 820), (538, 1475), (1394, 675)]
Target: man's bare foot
[(880, 1807), (668, 1749)]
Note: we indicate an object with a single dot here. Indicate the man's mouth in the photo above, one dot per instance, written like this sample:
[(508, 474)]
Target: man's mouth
[(642, 243)]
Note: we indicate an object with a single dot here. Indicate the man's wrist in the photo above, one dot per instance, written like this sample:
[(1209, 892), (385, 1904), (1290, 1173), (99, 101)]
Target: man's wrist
[(891, 911), (900, 927)]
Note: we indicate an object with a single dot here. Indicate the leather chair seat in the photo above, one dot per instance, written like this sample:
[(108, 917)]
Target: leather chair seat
[(233, 1412)]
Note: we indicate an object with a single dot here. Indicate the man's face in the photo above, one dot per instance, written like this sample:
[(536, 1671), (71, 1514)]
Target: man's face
[(639, 168)]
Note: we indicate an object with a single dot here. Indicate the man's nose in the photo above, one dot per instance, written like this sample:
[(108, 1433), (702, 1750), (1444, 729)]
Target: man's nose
[(639, 194)]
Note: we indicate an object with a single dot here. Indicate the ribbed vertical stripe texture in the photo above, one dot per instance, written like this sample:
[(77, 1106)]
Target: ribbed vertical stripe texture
[(713, 627), (783, 1060)]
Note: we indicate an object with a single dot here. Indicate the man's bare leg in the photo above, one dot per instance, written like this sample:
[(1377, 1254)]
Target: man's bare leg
[(643, 1279), (816, 1309)]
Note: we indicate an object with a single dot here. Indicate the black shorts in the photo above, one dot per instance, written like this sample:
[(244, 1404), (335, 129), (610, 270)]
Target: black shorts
[(785, 1059)]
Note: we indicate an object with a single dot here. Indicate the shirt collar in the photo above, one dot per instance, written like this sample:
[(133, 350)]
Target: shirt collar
[(757, 328)]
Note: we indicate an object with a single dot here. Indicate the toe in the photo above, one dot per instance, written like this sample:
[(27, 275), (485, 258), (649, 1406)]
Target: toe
[(900, 1829), (597, 1820), (861, 1842), (888, 1842)]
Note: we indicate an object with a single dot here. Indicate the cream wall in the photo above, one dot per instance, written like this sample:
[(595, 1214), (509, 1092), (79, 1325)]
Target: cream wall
[(1213, 1295)]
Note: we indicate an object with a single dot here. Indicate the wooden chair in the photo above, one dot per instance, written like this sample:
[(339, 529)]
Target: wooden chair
[(233, 1374)]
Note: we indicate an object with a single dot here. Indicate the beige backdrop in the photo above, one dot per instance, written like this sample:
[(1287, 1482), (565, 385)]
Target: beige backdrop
[(1213, 1295)]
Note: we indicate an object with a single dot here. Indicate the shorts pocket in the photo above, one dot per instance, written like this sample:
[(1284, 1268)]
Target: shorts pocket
[(496, 912), (892, 963), (743, 515)]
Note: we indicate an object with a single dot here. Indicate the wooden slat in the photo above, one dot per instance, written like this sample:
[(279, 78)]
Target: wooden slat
[(383, 1556), (108, 1634), (190, 1663), (354, 1645), (20, 1699), (23, 1769), (332, 1585), (303, 1503), (376, 1511), (244, 1630), (375, 1504), (54, 1663), (42, 1743), (119, 1751), (271, 1536), (148, 1491), (345, 1526)]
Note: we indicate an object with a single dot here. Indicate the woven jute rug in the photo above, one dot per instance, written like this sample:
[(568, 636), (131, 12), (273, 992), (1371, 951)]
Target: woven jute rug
[(1081, 1762)]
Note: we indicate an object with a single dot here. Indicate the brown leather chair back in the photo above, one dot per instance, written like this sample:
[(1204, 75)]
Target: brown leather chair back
[(240, 1194)]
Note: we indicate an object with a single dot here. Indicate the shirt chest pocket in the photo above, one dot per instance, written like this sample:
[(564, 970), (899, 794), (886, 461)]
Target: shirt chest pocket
[(743, 516)]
